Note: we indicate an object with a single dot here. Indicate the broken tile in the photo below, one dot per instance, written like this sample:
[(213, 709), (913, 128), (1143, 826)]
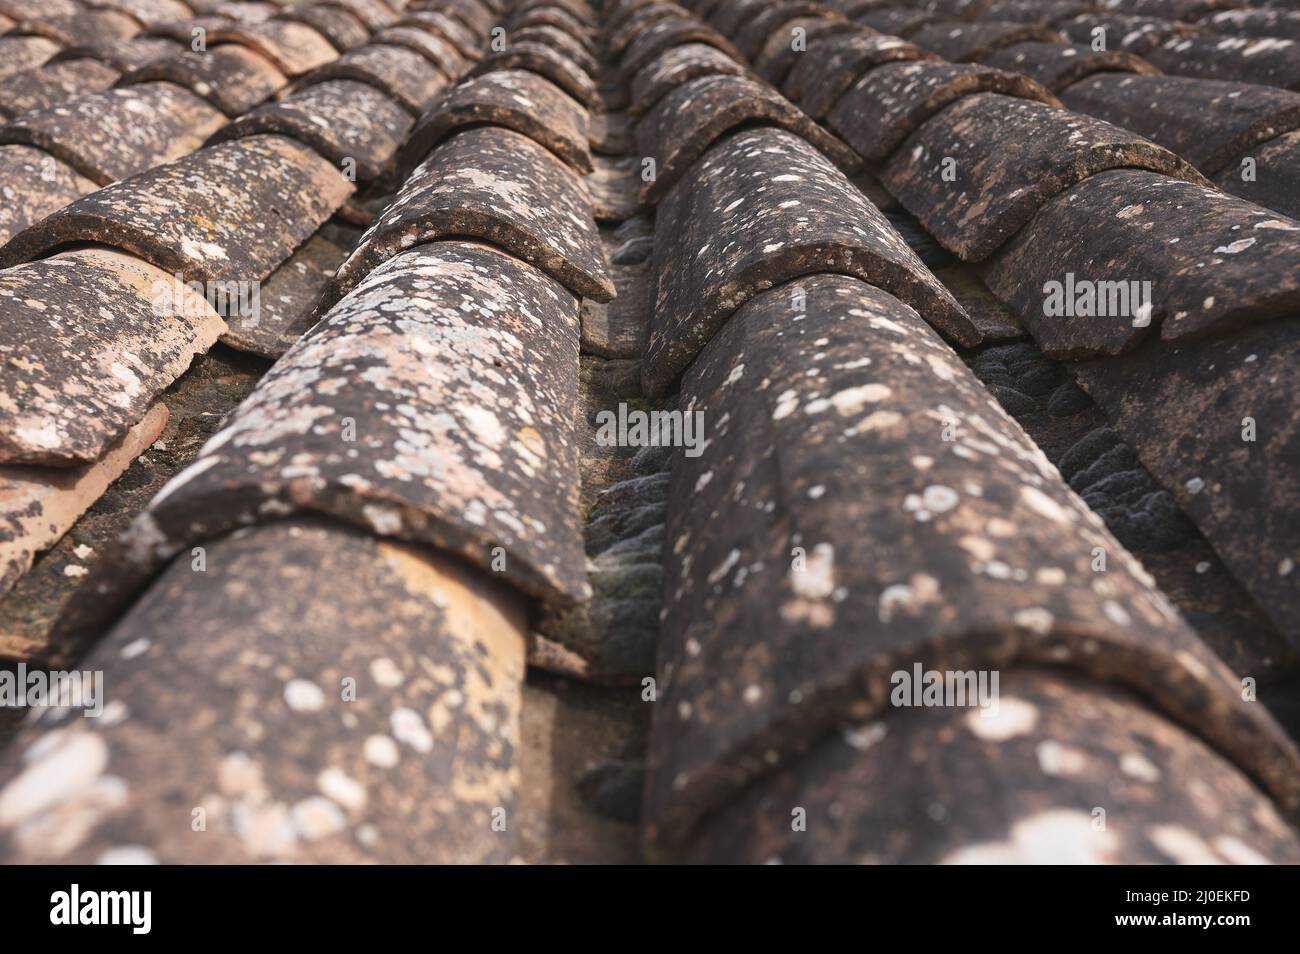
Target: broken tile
[(719, 242)]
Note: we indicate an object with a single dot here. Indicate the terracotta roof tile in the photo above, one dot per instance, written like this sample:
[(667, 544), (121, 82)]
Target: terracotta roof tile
[(231, 77), (251, 202), (910, 457), (119, 320), (499, 186), (102, 135)]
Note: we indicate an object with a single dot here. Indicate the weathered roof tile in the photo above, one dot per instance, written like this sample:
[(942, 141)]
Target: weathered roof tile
[(454, 367), (106, 137), (501, 187), (231, 77), (696, 114), (250, 203), (520, 100), (341, 119), (1006, 158), (889, 103), (719, 242), (92, 338)]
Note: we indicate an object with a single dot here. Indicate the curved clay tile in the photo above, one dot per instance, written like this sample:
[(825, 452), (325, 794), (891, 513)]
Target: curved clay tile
[(92, 337), (467, 43), (231, 77), (102, 135), (1059, 65), (20, 53), (145, 12), (1031, 772), (398, 71), (1241, 495), (774, 25), (1213, 262), (719, 242), (51, 84), (297, 770), (891, 102), (975, 42), (1207, 122), (375, 14), (967, 554), (457, 368), (893, 21), (819, 80), (665, 34), (1275, 179), (1037, 12), (1009, 156), (780, 55), (1260, 22), (250, 203), (556, 18), (123, 55), (1269, 61), (498, 186), (340, 119), (476, 16), (294, 47), (39, 505), (36, 184), (1135, 34), (623, 32), (78, 29), (675, 66), (544, 61), (513, 99), (696, 114), (342, 28), (560, 41), (428, 44)]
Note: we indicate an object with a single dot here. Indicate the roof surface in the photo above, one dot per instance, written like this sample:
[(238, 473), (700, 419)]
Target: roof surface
[(480, 431)]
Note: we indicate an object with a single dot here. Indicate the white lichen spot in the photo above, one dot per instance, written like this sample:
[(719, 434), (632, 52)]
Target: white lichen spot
[(1010, 718)]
